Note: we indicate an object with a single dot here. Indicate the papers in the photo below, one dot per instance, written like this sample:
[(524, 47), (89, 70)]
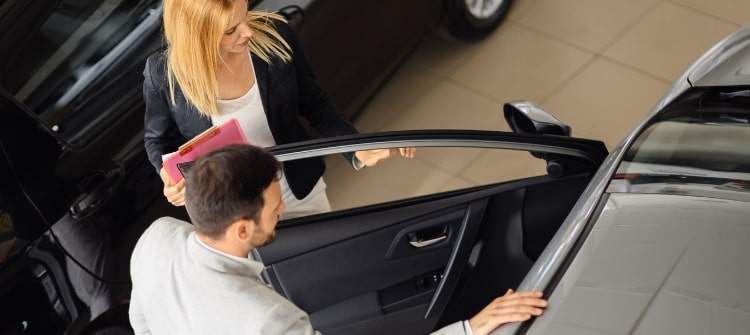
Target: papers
[(206, 142)]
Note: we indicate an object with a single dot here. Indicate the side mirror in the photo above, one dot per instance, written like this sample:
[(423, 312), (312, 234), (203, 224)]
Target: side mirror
[(525, 117)]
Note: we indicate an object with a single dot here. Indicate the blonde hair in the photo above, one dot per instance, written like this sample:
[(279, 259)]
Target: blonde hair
[(193, 29)]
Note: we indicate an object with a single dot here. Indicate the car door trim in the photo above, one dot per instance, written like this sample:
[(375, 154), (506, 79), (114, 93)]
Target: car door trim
[(593, 151), (462, 249)]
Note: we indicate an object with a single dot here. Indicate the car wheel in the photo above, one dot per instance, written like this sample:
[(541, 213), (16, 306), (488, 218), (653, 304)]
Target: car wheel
[(471, 20)]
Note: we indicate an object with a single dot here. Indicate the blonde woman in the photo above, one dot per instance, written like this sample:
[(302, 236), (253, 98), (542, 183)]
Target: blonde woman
[(222, 62)]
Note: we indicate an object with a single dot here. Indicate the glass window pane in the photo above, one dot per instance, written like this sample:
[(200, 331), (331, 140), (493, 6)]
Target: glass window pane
[(432, 171), (697, 147)]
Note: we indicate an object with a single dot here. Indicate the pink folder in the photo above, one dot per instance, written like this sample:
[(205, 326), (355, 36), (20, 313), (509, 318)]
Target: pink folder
[(213, 138)]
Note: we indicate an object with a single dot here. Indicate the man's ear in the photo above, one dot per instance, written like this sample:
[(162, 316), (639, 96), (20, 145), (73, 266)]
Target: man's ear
[(243, 229)]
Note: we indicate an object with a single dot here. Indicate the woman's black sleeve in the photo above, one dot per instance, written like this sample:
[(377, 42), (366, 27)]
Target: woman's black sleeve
[(161, 134)]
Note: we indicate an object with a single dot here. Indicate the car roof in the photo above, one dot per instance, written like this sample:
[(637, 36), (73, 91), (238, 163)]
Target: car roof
[(657, 264)]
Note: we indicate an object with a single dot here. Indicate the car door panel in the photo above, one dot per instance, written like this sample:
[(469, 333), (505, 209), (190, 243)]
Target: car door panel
[(408, 321), (355, 280), (513, 221), (350, 286), (296, 238), (353, 271), (329, 270), (460, 254)]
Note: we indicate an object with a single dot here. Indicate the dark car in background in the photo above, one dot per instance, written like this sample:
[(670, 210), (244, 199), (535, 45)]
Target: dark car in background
[(76, 189), (354, 46)]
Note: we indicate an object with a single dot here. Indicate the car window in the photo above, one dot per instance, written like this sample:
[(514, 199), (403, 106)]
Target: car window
[(702, 142), (432, 170), (65, 59)]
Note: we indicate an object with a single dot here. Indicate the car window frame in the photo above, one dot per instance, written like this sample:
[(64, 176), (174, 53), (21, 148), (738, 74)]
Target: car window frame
[(591, 150)]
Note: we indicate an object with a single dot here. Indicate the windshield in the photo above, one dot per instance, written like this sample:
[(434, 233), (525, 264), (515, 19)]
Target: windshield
[(703, 140)]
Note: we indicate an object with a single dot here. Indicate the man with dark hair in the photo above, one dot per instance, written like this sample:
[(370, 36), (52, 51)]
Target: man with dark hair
[(198, 279), (231, 187)]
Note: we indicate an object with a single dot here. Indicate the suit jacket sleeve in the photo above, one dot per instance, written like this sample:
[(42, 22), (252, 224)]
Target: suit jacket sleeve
[(161, 135), (137, 319), (287, 319), (456, 328), (135, 310), (315, 105)]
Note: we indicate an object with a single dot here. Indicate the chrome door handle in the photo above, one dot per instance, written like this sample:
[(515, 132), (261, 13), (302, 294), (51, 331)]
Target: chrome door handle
[(426, 243)]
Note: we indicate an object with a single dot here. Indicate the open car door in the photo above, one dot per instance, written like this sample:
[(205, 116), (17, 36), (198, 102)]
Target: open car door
[(415, 244)]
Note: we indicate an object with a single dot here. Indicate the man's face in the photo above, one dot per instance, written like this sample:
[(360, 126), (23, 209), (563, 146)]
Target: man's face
[(265, 229)]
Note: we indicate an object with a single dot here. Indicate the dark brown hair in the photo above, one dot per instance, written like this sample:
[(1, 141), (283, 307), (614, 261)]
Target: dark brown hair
[(227, 185)]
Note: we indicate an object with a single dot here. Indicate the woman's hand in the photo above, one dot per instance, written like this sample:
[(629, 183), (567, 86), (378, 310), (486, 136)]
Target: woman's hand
[(175, 193), (372, 157), (512, 307)]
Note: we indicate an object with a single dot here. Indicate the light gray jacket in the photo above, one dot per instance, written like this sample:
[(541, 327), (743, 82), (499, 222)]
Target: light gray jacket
[(181, 286)]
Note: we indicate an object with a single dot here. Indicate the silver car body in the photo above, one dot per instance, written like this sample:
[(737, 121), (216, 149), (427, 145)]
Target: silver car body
[(649, 262)]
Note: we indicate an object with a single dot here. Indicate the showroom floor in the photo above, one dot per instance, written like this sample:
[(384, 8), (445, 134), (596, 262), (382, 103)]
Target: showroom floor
[(598, 65)]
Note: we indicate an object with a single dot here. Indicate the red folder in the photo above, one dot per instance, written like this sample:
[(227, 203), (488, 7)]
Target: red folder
[(213, 138)]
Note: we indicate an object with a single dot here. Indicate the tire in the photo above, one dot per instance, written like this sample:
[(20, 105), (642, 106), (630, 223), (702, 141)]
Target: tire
[(470, 24)]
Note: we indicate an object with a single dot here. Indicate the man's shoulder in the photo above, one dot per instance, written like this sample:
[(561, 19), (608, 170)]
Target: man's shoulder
[(169, 226), (164, 233)]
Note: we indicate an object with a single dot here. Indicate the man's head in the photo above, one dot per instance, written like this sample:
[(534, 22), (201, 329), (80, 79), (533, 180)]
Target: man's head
[(233, 197)]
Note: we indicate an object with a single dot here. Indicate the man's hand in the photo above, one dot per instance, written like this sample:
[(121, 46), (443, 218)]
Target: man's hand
[(372, 157), (512, 307), (175, 193)]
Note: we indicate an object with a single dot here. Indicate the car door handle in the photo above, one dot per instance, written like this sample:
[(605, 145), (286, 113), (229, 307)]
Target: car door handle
[(98, 189), (427, 243), (427, 237)]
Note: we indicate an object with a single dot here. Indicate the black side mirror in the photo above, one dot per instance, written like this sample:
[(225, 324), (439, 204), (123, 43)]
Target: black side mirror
[(525, 117)]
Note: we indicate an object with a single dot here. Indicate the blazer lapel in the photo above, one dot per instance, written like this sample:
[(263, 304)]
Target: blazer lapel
[(196, 122), (261, 78)]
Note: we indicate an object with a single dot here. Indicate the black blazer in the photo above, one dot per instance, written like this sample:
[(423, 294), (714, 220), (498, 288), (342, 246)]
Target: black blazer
[(288, 91)]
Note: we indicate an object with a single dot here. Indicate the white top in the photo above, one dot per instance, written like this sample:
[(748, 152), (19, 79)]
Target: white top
[(250, 114)]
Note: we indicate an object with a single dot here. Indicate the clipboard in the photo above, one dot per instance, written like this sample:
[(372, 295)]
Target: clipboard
[(177, 163)]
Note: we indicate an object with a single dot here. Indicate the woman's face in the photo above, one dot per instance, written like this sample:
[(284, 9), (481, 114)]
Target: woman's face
[(238, 33)]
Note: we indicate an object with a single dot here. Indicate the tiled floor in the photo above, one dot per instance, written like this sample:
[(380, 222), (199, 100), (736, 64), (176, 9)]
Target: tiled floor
[(598, 65)]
